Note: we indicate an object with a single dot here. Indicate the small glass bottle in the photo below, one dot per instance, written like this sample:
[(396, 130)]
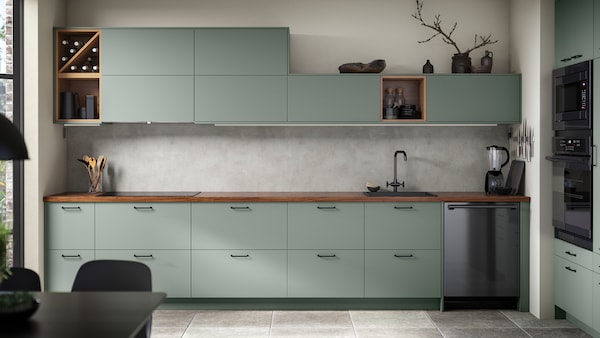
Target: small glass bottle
[(399, 100), (389, 99)]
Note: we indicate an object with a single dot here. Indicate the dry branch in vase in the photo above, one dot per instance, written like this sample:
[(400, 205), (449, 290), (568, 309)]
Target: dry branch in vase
[(436, 25)]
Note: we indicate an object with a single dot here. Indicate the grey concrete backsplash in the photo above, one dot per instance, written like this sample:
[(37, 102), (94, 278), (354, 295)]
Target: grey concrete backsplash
[(187, 157)]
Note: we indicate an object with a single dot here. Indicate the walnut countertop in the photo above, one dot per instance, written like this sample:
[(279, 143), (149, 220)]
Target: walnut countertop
[(244, 197)]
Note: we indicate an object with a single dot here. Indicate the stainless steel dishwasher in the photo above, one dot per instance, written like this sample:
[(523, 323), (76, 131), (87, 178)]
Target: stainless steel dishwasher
[(481, 254)]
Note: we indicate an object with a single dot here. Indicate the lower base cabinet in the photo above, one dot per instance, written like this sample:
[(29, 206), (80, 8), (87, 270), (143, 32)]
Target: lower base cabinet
[(403, 273), (239, 273), (573, 281), (62, 266), (170, 268), (326, 273)]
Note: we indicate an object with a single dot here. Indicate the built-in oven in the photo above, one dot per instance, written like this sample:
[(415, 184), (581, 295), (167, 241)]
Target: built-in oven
[(572, 188), (572, 106)]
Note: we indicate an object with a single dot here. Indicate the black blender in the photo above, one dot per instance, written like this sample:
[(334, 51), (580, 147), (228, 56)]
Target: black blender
[(494, 180)]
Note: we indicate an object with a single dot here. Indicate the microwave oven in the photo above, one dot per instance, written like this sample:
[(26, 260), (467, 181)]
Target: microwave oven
[(572, 93)]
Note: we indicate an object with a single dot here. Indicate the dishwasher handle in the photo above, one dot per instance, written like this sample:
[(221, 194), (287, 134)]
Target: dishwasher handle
[(483, 206)]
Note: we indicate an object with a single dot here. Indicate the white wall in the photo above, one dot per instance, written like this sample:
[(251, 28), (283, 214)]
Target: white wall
[(325, 34), (45, 170), (532, 47)]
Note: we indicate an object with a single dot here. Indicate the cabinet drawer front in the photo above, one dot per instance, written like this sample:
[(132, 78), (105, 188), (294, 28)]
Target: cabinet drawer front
[(62, 266), (403, 225), (147, 98), (147, 51), (326, 225), (596, 301), (239, 226), (241, 51), (69, 225), (326, 273), (240, 98), (143, 225), (170, 268), (240, 273), (574, 290), (574, 254), (405, 273)]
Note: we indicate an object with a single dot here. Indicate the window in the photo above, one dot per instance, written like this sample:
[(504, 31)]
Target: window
[(11, 181)]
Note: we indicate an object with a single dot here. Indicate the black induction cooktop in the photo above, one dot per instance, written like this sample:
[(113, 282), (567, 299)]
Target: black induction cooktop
[(151, 193)]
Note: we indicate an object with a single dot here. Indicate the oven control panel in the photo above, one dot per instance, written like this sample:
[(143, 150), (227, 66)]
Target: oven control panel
[(572, 145)]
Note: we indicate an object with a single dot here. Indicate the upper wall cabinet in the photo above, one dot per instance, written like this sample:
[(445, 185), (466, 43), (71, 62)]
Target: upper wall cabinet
[(241, 75), (149, 75), (333, 98), (77, 75), (574, 31), (474, 98), (241, 51)]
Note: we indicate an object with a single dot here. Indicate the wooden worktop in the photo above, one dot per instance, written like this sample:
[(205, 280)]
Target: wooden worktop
[(284, 197)]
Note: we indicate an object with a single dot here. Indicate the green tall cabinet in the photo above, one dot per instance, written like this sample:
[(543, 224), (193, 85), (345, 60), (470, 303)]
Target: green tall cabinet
[(573, 31)]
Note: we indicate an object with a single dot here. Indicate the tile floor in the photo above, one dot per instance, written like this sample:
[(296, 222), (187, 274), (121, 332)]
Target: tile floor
[(332, 324)]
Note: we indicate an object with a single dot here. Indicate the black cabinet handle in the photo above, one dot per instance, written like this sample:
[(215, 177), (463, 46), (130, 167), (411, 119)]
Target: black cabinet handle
[(403, 208), (239, 256), (326, 208), (239, 208), (326, 256), (570, 253), (404, 256), (143, 256), (71, 208), (143, 208), (71, 256), (570, 269)]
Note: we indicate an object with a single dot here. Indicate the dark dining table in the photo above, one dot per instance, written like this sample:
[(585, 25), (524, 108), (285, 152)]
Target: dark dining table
[(86, 314)]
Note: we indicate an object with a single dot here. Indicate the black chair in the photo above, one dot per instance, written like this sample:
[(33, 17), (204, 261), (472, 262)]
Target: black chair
[(115, 275), (21, 279)]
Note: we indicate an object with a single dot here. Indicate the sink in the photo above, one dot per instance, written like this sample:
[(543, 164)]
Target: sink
[(398, 194)]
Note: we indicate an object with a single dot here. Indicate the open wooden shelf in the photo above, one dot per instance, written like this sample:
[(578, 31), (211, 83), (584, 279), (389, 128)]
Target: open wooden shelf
[(414, 94), (77, 70)]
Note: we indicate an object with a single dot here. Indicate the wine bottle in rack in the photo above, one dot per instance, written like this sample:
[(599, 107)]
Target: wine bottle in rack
[(78, 44), (73, 68)]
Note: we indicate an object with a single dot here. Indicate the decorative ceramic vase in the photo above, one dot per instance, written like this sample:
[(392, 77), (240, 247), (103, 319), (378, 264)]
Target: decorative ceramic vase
[(461, 63), (427, 68)]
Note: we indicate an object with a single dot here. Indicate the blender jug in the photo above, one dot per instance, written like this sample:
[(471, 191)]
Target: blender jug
[(495, 158)]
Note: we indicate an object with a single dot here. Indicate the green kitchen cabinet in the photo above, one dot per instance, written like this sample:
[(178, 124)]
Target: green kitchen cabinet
[(326, 273), (240, 99), (143, 226), (148, 98), (326, 226), (239, 273), (241, 51), (344, 98), (62, 266), (147, 51), (403, 226), (573, 31), (573, 283), (596, 301), (69, 231), (69, 225), (170, 268), (239, 226), (474, 98), (403, 273)]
